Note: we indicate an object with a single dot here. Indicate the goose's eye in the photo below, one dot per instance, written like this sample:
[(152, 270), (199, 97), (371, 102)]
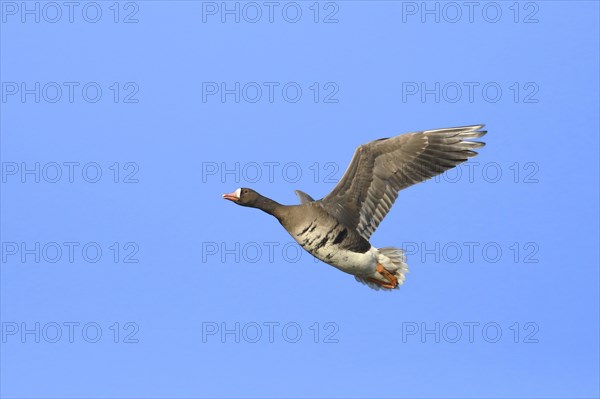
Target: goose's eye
[(244, 191)]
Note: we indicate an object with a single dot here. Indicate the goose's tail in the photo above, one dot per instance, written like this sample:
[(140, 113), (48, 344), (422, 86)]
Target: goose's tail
[(394, 270)]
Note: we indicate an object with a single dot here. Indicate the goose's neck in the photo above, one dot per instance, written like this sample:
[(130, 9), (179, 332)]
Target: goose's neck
[(269, 206)]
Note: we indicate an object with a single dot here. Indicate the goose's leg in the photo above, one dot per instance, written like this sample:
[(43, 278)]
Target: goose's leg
[(391, 278), (380, 283)]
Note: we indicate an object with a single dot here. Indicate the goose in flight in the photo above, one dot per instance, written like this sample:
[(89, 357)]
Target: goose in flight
[(336, 229)]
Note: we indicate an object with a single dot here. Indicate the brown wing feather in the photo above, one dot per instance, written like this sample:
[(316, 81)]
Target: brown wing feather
[(381, 168)]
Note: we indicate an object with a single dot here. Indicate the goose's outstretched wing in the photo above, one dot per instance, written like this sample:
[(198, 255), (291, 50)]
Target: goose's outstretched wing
[(303, 197), (381, 168)]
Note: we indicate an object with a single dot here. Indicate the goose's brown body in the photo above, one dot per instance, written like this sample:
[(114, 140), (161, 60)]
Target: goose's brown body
[(328, 239)]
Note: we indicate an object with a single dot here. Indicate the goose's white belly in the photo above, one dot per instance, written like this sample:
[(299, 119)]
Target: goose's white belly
[(347, 261)]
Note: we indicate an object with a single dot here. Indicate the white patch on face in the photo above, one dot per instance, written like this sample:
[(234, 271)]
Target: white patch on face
[(238, 192)]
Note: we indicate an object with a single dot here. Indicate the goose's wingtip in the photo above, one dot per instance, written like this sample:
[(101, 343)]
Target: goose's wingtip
[(475, 127)]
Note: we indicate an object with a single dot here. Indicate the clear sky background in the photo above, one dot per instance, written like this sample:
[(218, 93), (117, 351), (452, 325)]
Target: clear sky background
[(124, 274)]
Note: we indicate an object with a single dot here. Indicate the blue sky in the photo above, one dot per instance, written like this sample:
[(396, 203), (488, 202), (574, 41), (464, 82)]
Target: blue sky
[(124, 274)]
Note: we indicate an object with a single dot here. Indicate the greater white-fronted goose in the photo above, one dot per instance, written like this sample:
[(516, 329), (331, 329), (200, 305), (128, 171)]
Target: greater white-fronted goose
[(336, 229)]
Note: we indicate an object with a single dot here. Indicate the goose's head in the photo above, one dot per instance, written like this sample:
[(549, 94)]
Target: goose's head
[(243, 196)]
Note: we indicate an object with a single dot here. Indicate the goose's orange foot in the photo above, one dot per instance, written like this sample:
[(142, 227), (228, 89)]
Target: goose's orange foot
[(381, 283), (392, 280)]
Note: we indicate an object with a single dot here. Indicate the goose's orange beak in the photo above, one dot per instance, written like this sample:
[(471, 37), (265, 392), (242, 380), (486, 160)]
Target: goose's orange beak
[(231, 197)]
